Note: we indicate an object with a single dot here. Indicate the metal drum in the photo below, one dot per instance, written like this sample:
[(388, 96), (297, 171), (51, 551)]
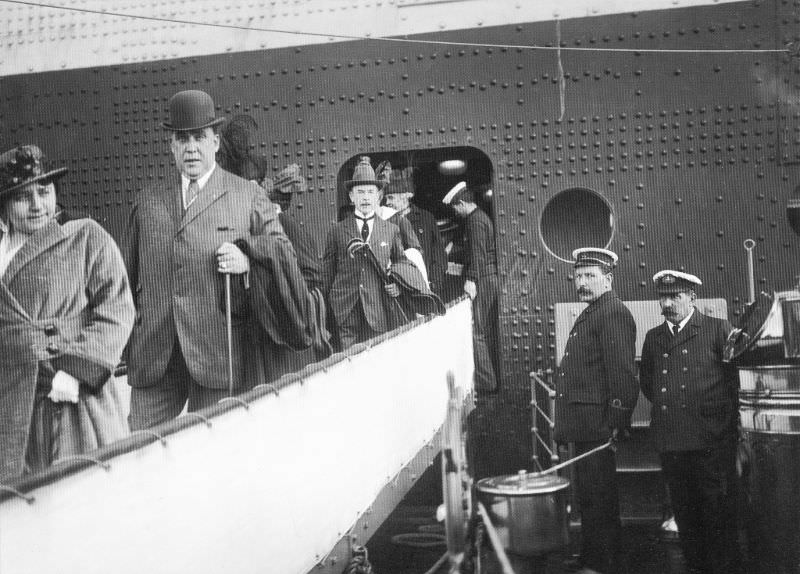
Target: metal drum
[(769, 410), (528, 512)]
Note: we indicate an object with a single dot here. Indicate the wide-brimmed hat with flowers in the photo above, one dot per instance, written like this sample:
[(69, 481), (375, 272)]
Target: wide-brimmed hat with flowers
[(23, 165)]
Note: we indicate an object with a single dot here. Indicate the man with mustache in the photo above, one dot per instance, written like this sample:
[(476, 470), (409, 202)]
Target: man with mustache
[(596, 391), (694, 422), (354, 289)]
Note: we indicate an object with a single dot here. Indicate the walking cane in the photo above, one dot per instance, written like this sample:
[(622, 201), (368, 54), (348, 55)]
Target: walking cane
[(228, 326)]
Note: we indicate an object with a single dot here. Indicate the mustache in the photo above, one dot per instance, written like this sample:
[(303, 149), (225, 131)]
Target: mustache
[(584, 291), (666, 312)]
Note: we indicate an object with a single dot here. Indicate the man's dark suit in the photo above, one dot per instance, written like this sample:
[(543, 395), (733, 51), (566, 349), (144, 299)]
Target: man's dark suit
[(596, 390), (170, 258), (694, 427), (353, 287), (430, 239)]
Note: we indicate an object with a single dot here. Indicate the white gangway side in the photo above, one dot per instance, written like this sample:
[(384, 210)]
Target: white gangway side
[(266, 488)]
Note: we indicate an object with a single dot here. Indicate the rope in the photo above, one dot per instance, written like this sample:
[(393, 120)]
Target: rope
[(359, 563)]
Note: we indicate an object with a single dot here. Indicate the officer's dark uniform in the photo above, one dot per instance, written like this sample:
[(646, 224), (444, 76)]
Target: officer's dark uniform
[(694, 427), (481, 267), (596, 390)]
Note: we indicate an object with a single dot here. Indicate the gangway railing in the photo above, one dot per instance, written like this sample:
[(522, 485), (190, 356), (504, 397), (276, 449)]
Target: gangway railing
[(540, 385)]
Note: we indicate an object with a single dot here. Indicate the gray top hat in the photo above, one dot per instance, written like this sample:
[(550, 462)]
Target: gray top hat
[(191, 110), (363, 174)]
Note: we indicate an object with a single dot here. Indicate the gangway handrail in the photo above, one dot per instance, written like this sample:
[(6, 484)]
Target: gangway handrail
[(67, 466), (538, 382)]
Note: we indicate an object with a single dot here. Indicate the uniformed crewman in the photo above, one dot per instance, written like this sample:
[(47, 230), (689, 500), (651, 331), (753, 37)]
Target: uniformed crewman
[(480, 282), (694, 422), (596, 391)]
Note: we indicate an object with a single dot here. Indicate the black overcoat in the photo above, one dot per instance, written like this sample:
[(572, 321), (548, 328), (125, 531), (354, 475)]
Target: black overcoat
[(596, 387), (694, 394)]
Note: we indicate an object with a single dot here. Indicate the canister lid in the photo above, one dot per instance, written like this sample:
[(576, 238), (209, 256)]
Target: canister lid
[(522, 484)]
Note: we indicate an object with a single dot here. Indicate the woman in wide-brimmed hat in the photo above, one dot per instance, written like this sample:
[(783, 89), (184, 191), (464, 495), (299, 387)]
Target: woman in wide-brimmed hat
[(65, 315)]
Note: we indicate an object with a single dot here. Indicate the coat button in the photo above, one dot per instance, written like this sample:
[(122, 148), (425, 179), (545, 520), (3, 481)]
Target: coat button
[(566, 354), (663, 407), (685, 351), (50, 330), (683, 387), (663, 389), (52, 348), (685, 369), (665, 355), (664, 372)]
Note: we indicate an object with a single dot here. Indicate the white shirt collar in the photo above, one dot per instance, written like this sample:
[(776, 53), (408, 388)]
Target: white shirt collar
[(201, 181), (682, 324), (370, 221)]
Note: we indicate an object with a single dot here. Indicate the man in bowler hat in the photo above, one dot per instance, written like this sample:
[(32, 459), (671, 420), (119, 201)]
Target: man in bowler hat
[(178, 247), (355, 290), (694, 422), (596, 390)]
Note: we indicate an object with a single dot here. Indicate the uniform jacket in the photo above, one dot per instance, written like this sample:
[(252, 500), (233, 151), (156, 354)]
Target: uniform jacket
[(481, 255), (346, 280), (693, 393), (65, 304), (424, 225), (596, 387), (173, 271)]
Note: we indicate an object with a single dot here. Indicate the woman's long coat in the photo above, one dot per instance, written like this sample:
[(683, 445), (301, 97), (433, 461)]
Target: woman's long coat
[(65, 304)]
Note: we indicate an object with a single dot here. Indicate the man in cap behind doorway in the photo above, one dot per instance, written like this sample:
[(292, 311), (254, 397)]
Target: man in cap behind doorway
[(480, 282), (178, 247), (399, 193), (694, 422), (354, 288), (596, 390)]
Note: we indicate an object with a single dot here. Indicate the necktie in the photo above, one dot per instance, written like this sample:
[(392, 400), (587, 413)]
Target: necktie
[(192, 192), (673, 329), (364, 226)]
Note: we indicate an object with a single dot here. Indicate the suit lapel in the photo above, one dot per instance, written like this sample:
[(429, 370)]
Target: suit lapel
[(213, 190), (689, 331)]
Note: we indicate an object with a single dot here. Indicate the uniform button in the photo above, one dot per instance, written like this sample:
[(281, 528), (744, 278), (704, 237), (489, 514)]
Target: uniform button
[(663, 389), (566, 354), (683, 387), (685, 369), (665, 355), (683, 406), (664, 372), (52, 348), (663, 407), (561, 395), (685, 351), (50, 330)]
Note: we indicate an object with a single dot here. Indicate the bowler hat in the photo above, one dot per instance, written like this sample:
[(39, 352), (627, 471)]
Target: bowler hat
[(363, 174), (23, 165), (191, 110), (669, 282)]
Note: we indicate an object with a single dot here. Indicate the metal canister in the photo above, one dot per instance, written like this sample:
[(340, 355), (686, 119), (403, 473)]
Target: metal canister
[(529, 512), (769, 410)]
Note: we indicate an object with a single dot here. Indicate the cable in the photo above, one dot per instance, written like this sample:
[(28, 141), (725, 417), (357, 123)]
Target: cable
[(392, 40)]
